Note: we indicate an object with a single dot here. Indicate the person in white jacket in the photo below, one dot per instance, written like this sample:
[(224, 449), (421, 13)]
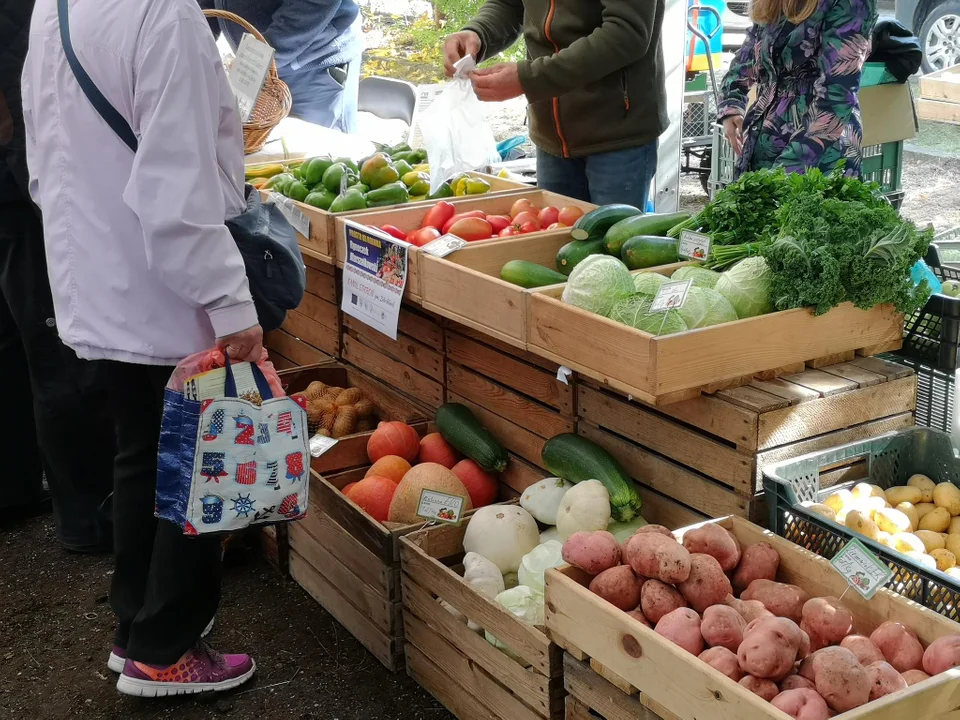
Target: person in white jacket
[(144, 272)]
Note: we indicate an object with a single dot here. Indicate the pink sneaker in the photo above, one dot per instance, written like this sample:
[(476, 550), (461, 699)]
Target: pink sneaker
[(118, 655), (199, 670)]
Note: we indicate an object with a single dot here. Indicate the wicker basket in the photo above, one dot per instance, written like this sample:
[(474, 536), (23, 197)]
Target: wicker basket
[(274, 102)]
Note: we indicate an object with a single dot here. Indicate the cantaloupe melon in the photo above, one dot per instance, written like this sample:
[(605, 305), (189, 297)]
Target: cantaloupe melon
[(426, 476)]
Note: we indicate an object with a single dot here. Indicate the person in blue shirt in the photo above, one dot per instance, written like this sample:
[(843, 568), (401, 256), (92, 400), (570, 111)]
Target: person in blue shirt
[(318, 45)]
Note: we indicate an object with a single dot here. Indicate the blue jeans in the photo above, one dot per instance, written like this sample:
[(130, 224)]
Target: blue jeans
[(318, 97), (621, 176)]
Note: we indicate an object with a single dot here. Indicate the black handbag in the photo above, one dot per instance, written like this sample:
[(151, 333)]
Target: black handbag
[(266, 240), (895, 46)]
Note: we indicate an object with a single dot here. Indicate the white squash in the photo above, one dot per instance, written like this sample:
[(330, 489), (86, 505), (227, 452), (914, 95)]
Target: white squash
[(551, 533), (502, 534), (586, 506), (542, 499), (484, 577)]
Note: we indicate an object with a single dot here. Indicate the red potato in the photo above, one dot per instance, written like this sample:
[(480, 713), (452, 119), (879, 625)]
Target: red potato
[(841, 680), (592, 552), (767, 689), (640, 617), (657, 556), (657, 529), (802, 704), (770, 647), (912, 677), (724, 661), (682, 627), (706, 584), (796, 682), (781, 599), (711, 539), (619, 586), (899, 646), (863, 647), (884, 679), (826, 621), (759, 561), (658, 599), (942, 654), (722, 626), (749, 610)]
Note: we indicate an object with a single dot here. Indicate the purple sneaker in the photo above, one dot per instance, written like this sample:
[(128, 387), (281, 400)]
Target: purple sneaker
[(118, 656), (199, 670)]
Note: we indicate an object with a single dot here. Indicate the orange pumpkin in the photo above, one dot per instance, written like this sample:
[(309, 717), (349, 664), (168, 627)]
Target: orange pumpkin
[(348, 487), (393, 438), (481, 485), (374, 495), (433, 448), (389, 466)]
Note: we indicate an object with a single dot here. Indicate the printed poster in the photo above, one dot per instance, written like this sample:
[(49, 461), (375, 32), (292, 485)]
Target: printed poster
[(374, 277)]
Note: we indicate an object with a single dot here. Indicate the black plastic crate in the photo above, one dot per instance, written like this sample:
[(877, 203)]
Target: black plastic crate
[(888, 460), (934, 394), (932, 334)]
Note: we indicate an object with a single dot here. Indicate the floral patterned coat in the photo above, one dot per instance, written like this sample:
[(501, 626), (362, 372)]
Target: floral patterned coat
[(806, 113)]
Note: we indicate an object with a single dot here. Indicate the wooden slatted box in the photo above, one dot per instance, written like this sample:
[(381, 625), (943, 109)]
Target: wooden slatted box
[(311, 333), (708, 452)]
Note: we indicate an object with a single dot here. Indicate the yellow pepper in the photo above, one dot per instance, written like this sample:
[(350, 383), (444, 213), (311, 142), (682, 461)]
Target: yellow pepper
[(476, 186), (423, 167), (460, 187)]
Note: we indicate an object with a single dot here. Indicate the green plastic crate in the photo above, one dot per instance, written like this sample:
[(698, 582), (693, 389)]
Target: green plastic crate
[(889, 460)]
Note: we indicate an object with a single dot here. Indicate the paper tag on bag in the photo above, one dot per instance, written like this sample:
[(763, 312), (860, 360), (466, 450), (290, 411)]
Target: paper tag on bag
[(671, 296), (441, 507), (374, 277), (320, 444), (564, 374), (863, 571), (248, 72), (293, 214), (444, 245), (693, 246)]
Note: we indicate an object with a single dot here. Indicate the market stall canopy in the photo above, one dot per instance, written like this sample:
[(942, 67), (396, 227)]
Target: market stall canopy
[(294, 138)]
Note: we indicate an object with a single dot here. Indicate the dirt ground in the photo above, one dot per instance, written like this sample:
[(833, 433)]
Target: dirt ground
[(56, 629)]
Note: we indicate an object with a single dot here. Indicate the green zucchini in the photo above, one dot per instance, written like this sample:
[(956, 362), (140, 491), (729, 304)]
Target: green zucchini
[(597, 222), (460, 428), (530, 274), (661, 224), (575, 251), (645, 251), (574, 459)]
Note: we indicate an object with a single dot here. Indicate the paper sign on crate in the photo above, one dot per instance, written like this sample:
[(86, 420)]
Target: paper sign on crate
[(374, 277), (441, 507), (693, 246), (671, 296), (863, 570)]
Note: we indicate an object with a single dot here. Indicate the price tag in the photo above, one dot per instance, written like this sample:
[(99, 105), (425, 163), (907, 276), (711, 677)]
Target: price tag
[(863, 570), (440, 507), (248, 71), (564, 374), (444, 245), (320, 444), (374, 277), (694, 246), (670, 296), (293, 214)]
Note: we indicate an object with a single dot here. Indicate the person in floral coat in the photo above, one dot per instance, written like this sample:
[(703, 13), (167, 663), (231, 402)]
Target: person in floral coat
[(803, 58)]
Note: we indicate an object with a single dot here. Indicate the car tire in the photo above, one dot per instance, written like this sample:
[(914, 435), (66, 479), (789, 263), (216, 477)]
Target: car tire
[(940, 36)]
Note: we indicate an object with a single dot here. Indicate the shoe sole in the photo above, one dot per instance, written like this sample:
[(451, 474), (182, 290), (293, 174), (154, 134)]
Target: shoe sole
[(115, 663), (150, 688)]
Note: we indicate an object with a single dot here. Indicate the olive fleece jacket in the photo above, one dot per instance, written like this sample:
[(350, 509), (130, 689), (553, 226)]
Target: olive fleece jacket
[(594, 69)]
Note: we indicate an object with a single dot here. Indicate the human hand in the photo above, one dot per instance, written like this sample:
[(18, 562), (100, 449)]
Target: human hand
[(733, 129), (497, 83), (244, 346), (458, 46)]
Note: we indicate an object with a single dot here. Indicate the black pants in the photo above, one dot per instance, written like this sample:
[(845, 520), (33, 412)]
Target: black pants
[(58, 419), (166, 585)]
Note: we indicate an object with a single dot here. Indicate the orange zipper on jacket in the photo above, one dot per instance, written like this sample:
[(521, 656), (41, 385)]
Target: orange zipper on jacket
[(556, 101)]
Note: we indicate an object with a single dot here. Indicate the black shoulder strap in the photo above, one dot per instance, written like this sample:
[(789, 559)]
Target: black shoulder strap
[(107, 111)]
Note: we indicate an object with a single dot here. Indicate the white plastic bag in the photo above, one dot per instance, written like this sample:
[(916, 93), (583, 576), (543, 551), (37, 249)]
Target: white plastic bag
[(457, 137), (536, 562)]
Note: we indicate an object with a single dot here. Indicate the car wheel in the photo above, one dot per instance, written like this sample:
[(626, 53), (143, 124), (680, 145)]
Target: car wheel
[(940, 36)]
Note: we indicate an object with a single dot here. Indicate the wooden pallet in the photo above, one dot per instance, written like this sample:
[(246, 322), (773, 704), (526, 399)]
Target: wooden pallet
[(515, 394), (313, 329), (708, 452), (471, 677), (940, 96)]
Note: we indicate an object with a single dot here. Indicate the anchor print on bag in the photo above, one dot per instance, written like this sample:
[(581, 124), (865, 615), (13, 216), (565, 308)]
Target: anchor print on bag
[(247, 473), (212, 467), (215, 427), (246, 427)]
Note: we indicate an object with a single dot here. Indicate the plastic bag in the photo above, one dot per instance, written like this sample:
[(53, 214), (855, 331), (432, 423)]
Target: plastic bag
[(457, 137), (207, 360), (536, 562)]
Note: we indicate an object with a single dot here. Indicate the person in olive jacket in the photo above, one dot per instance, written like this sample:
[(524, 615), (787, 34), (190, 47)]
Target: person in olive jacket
[(594, 79)]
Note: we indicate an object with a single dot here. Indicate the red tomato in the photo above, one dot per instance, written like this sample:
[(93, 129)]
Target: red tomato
[(569, 215), (529, 227), (461, 216), (471, 229), (498, 222), (556, 226), (521, 205), (438, 215), (508, 231), (394, 231), (548, 216), (423, 236), (526, 218)]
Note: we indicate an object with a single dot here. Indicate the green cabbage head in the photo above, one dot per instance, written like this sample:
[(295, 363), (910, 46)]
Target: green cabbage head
[(704, 307), (597, 283), (701, 276), (635, 312), (747, 286)]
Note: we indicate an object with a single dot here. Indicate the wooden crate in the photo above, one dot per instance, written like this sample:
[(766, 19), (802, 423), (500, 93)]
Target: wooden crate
[(940, 96), (413, 364), (471, 677), (314, 328), (707, 453), (662, 370), (590, 696), (514, 394), (351, 450), (676, 685)]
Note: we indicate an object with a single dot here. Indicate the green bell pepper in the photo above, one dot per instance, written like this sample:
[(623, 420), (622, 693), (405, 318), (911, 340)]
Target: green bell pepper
[(444, 191), (279, 182), (352, 199), (332, 175), (349, 163), (403, 167), (313, 169), (322, 199), (297, 191), (394, 193)]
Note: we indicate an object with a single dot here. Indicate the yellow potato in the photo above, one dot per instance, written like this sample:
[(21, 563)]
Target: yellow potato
[(953, 544), (954, 526), (924, 508), (931, 540), (892, 521), (838, 500), (911, 512), (925, 485), (821, 509), (861, 523), (885, 538), (923, 559), (938, 520), (903, 493), (908, 542), (869, 505), (861, 490), (953, 572), (947, 496), (945, 559)]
